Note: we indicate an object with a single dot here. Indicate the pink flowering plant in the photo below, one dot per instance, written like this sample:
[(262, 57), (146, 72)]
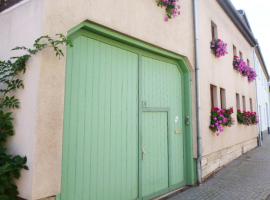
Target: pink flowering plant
[(251, 74), (219, 48), (171, 6), (220, 118), (245, 70), (240, 65), (247, 118)]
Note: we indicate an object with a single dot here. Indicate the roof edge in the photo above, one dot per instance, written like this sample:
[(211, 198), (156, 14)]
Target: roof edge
[(230, 10)]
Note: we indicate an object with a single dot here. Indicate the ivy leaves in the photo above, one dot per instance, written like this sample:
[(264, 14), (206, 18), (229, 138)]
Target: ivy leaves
[(11, 69), (10, 167), (6, 127), (11, 72)]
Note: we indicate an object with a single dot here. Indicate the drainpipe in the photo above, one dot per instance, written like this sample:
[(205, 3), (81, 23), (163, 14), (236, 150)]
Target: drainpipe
[(257, 96), (197, 88)]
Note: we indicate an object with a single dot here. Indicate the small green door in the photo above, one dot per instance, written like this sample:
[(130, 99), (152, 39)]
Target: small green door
[(161, 129), (154, 152)]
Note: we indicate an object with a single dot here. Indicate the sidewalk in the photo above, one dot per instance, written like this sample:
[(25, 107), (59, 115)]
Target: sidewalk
[(247, 178)]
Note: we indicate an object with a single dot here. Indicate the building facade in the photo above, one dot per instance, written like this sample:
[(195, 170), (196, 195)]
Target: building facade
[(221, 82), (133, 93), (262, 83), (119, 151)]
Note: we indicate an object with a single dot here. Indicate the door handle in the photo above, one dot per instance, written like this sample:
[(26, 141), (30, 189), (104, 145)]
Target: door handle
[(144, 104), (143, 152)]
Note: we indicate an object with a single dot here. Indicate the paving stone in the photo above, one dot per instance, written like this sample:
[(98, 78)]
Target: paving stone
[(246, 178)]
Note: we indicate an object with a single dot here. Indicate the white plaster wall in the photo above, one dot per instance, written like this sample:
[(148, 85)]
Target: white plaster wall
[(262, 95), (21, 26), (220, 72)]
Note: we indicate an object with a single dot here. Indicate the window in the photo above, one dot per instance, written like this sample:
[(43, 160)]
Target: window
[(213, 91), (237, 101), (234, 51), (222, 98), (214, 31), (244, 103), (241, 54), (5, 4), (250, 105)]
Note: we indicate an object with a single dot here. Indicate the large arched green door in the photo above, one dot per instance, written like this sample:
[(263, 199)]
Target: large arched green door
[(123, 124)]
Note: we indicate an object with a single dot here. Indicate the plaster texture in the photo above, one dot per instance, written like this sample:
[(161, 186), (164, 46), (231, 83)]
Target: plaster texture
[(39, 135), (220, 72), (21, 25), (39, 122)]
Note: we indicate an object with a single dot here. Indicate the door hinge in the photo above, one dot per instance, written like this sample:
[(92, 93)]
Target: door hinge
[(187, 120)]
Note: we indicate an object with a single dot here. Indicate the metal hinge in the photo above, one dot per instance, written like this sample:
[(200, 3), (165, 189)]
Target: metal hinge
[(187, 120)]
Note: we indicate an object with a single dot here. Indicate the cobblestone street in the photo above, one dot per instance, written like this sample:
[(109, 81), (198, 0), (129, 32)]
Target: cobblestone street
[(247, 178)]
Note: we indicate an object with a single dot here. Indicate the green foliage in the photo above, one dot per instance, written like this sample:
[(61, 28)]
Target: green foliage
[(6, 127), (171, 6), (10, 72), (10, 167), (247, 118)]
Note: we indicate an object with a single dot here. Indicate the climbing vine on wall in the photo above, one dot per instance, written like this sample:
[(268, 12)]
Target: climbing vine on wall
[(11, 72)]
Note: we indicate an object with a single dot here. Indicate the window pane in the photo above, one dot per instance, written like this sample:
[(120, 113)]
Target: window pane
[(222, 98), (244, 103), (214, 31), (237, 101), (213, 92), (234, 51), (241, 54), (251, 105)]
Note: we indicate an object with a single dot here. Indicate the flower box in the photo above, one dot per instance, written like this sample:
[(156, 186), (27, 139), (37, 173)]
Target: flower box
[(242, 67), (219, 48), (171, 7), (247, 118), (220, 118)]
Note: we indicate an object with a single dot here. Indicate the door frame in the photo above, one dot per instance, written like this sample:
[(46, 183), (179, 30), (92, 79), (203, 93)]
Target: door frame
[(112, 37)]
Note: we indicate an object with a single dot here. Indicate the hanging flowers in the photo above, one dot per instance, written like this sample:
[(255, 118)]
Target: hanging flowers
[(219, 48), (220, 118), (171, 7), (251, 74), (247, 118), (240, 65), (244, 69)]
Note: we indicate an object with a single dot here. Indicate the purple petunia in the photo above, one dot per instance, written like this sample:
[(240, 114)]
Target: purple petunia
[(220, 118), (244, 69), (219, 47), (171, 7)]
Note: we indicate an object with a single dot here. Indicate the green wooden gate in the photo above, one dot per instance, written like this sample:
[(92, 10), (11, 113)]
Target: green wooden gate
[(124, 122), (161, 127)]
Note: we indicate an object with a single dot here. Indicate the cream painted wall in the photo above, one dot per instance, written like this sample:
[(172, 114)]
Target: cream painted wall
[(220, 72), (39, 134), (21, 26), (140, 19)]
